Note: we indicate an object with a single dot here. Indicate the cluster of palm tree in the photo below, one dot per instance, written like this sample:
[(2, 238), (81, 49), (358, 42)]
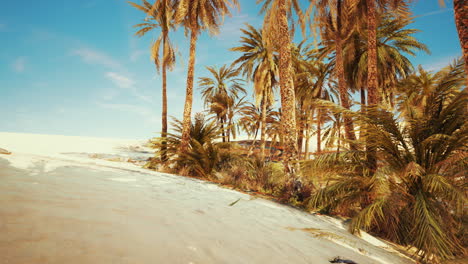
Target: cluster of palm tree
[(391, 140), (417, 194)]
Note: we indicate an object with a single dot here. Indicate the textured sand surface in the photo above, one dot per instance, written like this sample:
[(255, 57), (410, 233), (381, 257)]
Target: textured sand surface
[(64, 210)]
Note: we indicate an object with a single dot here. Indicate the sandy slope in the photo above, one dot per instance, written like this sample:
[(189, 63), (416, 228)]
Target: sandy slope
[(60, 209)]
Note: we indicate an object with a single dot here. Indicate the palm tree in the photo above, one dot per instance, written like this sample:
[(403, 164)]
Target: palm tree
[(197, 16), (259, 65), (251, 119), (221, 92), (337, 26), (416, 195), (324, 90), (251, 122), (371, 9), (308, 81), (274, 129), (219, 105), (395, 41), (276, 30), (202, 156), (160, 15)]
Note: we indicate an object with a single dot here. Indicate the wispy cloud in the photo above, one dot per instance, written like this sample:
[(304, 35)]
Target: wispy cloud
[(19, 65), (231, 28), (96, 57), (3, 27), (144, 112), (120, 80), (440, 63), (441, 11), (136, 54), (127, 83)]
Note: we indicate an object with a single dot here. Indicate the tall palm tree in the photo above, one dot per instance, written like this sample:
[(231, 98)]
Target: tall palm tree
[(259, 65), (324, 88), (337, 26), (160, 15), (221, 92), (395, 41), (276, 29), (371, 10), (307, 85), (197, 16)]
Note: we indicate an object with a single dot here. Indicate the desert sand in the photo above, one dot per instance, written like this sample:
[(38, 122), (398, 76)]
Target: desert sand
[(66, 208)]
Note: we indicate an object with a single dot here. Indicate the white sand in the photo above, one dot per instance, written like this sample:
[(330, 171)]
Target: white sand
[(56, 208)]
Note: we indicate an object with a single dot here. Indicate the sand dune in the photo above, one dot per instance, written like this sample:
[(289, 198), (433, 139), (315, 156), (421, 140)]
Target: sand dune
[(57, 208)]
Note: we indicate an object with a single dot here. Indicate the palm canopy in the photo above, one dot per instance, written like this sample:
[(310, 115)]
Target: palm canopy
[(159, 15), (294, 14), (224, 81), (223, 92), (258, 64), (201, 15), (308, 73), (394, 42)]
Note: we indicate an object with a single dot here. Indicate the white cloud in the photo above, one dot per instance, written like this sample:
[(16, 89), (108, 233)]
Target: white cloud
[(19, 65), (144, 112), (444, 10), (3, 27), (440, 63), (136, 54), (120, 80), (231, 27), (128, 84), (96, 57)]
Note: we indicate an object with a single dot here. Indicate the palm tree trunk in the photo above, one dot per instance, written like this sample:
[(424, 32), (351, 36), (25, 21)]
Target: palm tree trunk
[(222, 129), (252, 145), (263, 126), (461, 20), (319, 131), (362, 132), (228, 131), (288, 112), (307, 137), (348, 122), (363, 97), (164, 103), (189, 93), (300, 133), (339, 137), (372, 82)]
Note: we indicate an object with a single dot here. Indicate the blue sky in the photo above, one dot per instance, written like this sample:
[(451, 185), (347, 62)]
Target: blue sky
[(75, 67)]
